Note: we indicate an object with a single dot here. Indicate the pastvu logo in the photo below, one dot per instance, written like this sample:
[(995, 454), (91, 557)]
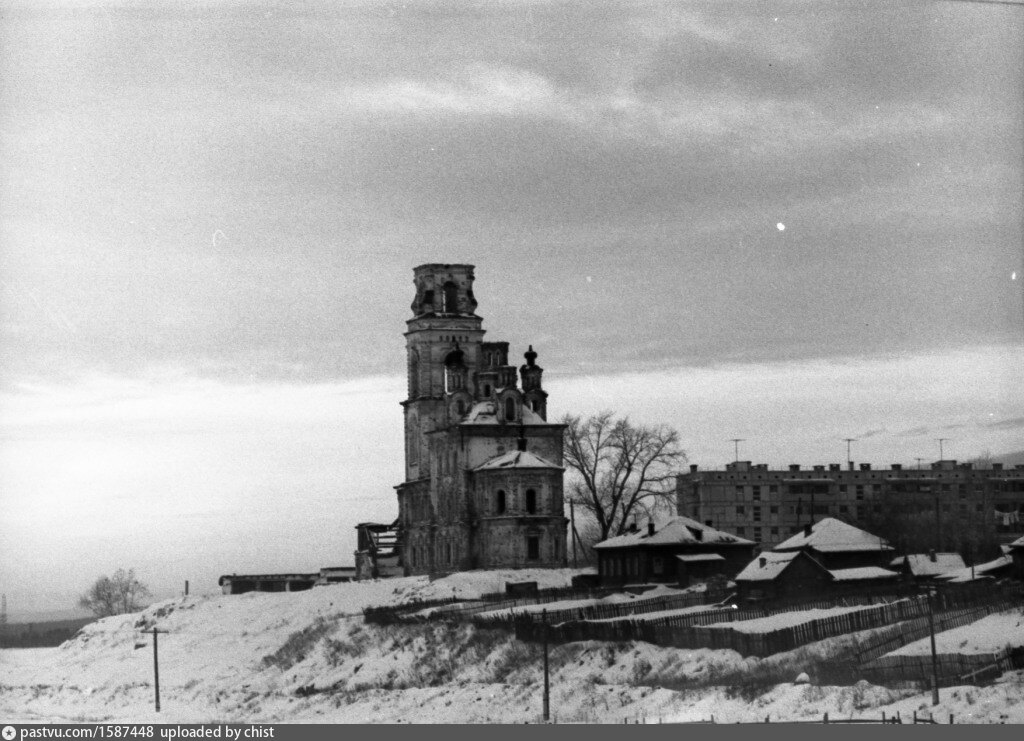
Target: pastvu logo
[(8, 733)]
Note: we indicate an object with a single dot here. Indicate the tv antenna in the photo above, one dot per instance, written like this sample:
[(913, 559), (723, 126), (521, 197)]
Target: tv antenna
[(736, 446), (849, 440)]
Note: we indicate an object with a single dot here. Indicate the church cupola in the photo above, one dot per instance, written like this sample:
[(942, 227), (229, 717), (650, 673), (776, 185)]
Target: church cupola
[(534, 396)]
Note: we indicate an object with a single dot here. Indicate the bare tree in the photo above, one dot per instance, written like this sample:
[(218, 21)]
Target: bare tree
[(115, 595), (620, 469)]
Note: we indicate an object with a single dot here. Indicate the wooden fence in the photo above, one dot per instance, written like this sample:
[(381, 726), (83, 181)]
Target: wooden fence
[(905, 619), (953, 669)]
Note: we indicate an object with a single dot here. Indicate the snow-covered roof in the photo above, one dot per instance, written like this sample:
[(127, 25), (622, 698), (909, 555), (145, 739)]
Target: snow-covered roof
[(516, 459), (767, 566), (967, 573), (864, 572), (830, 535), (1018, 543), (921, 564), (693, 557), (486, 413), (675, 531)]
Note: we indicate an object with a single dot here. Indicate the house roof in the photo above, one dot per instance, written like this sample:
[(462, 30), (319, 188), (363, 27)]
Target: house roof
[(674, 531), (516, 459), (694, 557), (921, 564), (967, 573), (864, 572), (767, 566), (1018, 543), (830, 535)]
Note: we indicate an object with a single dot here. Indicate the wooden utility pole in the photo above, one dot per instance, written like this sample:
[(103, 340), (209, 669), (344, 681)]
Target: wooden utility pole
[(572, 522), (156, 667), (935, 661), (547, 697)]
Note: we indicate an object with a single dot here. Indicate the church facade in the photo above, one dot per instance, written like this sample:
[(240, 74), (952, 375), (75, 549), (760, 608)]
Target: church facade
[(483, 466)]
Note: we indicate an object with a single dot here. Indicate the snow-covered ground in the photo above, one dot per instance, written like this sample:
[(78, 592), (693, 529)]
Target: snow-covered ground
[(787, 619), (308, 656), (988, 635)]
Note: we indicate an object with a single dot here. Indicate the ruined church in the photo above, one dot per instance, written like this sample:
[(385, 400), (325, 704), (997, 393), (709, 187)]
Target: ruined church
[(483, 473)]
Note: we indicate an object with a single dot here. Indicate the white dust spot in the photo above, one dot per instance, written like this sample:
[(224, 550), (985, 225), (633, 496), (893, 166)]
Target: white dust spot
[(589, 279), (780, 226)]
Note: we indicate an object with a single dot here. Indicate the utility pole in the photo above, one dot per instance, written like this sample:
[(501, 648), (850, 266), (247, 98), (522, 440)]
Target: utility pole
[(156, 668), (572, 522), (736, 446), (547, 696), (935, 661), (849, 460)]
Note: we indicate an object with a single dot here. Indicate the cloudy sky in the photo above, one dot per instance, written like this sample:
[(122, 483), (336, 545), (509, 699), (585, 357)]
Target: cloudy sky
[(790, 222)]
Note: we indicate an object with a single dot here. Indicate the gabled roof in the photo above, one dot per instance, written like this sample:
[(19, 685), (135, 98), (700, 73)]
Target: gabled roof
[(769, 565), (864, 572), (830, 535), (674, 531), (516, 459), (921, 564), (698, 557), (1018, 543)]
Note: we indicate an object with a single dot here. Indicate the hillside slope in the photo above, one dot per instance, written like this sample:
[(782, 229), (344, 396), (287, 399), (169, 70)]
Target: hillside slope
[(308, 656)]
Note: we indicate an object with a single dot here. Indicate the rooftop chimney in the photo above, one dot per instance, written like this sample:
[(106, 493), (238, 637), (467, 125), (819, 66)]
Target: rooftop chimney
[(897, 466), (931, 556), (834, 466), (650, 529), (794, 466), (762, 561), (632, 527), (997, 466), (521, 444), (693, 468), (865, 466), (807, 530)]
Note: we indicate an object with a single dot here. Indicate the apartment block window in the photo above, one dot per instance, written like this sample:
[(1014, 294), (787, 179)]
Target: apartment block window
[(843, 509), (741, 531), (860, 491), (842, 488), (773, 488), (739, 489), (708, 523), (740, 510), (757, 514), (757, 534), (773, 510), (775, 531), (756, 492)]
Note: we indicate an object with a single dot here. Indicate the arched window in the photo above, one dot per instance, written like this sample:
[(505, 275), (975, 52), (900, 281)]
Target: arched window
[(510, 408), (531, 502), (501, 501), (451, 298)]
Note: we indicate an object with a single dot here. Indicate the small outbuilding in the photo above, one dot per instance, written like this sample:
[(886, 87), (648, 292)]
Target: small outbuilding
[(677, 550), (927, 566)]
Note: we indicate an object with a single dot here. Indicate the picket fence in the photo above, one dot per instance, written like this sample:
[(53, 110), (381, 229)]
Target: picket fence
[(906, 620), (953, 669)]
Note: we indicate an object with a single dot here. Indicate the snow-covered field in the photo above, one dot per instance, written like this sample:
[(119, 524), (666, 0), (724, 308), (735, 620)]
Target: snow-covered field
[(309, 657)]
